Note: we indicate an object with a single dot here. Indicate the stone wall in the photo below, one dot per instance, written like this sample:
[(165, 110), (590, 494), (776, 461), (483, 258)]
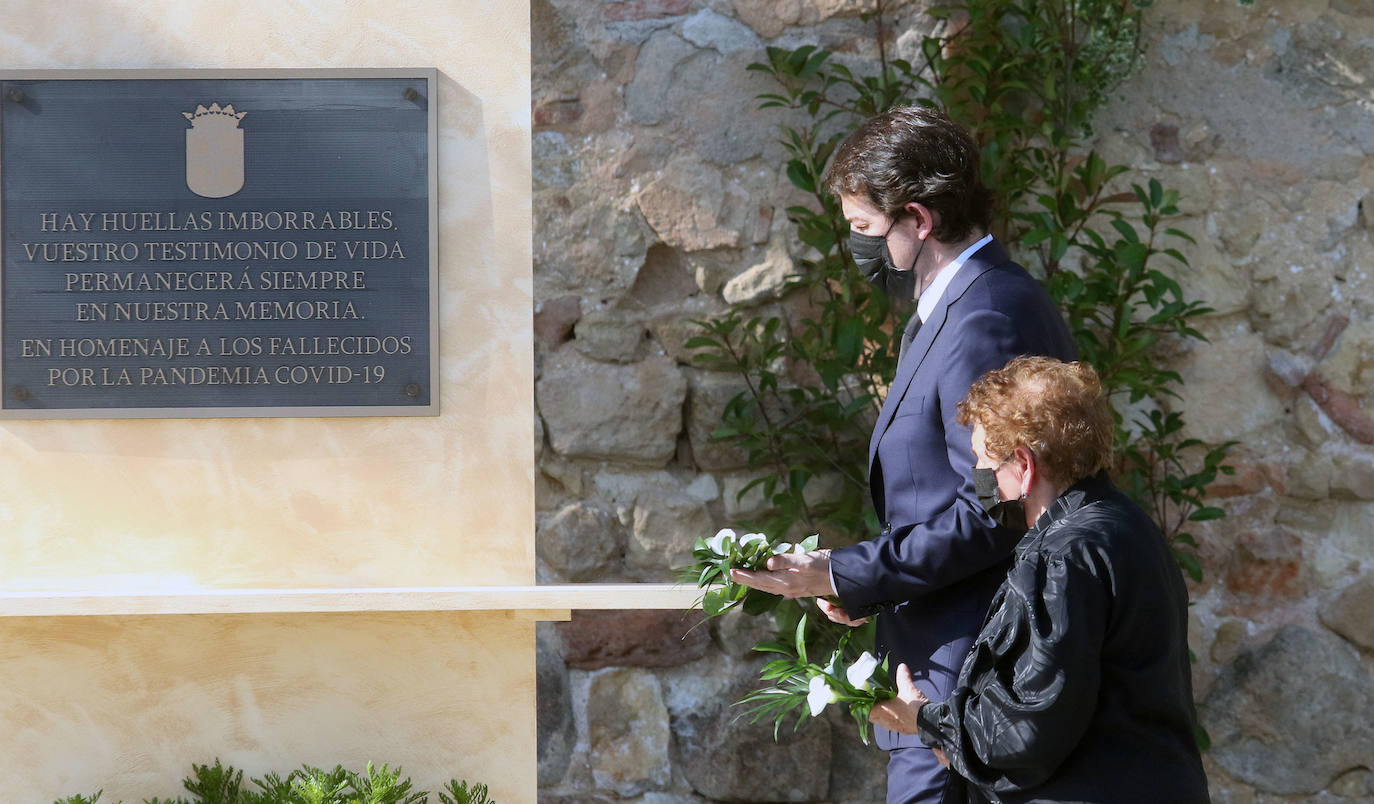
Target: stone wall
[(658, 195)]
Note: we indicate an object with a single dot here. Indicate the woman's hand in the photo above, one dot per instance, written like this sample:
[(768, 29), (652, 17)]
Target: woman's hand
[(899, 714), (837, 614)]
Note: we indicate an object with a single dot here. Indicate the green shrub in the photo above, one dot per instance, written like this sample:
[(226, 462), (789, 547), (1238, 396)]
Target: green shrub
[(222, 784)]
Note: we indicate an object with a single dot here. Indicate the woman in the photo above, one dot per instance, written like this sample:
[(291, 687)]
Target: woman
[(1077, 688)]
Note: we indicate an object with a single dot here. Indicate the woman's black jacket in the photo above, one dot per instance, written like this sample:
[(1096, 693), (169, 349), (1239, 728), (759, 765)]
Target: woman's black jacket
[(1078, 689)]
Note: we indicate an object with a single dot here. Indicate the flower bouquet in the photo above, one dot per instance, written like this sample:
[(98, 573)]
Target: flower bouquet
[(805, 687), (716, 556)]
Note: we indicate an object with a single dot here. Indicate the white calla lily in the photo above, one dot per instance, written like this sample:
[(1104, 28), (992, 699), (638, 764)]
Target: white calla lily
[(752, 538), (820, 695), (718, 544), (861, 671)]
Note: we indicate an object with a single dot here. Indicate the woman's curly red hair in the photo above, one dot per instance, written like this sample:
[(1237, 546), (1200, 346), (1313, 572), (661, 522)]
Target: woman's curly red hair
[(1058, 410)]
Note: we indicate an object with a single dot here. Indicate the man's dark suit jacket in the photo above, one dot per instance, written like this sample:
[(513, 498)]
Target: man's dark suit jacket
[(933, 570)]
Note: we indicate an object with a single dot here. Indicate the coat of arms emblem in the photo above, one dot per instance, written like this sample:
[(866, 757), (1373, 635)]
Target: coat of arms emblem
[(214, 151)]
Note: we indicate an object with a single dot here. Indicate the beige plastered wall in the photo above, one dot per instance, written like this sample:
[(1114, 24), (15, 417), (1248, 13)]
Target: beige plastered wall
[(172, 506)]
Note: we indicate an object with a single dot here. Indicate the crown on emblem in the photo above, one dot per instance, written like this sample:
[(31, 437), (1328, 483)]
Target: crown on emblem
[(214, 117)]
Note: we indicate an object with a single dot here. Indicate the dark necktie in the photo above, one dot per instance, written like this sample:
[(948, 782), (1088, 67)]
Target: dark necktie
[(909, 335)]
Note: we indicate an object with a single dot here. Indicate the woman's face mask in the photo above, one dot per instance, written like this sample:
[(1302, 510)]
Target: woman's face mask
[(1010, 514)]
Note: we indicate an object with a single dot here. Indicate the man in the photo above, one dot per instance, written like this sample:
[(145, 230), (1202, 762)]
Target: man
[(909, 184)]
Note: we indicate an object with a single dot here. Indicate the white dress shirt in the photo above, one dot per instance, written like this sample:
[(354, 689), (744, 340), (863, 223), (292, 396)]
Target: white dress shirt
[(925, 304)]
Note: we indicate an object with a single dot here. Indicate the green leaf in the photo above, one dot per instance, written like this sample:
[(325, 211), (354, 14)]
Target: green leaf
[(1205, 514), (1127, 231), (800, 177), (1200, 735), (1182, 235), (757, 602), (1190, 564), (849, 340)]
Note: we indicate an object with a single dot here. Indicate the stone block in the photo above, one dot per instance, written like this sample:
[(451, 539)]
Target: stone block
[(1217, 379), (557, 732), (1325, 64), (1351, 613), (554, 319), (563, 472), (664, 279), (596, 639), (587, 245), (538, 439), (627, 728), (612, 336), (1266, 565), (1292, 715), (712, 269), (1164, 141), (673, 330), (646, 95), (824, 490), (666, 526), (706, 28), (635, 10), (710, 392), (858, 772), (582, 542), (554, 165), (769, 18), (685, 206), (1229, 638), (724, 757), (622, 488), (1344, 548), (1251, 477), (1352, 471), (1310, 477), (725, 128), (741, 504), (600, 410), (737, 633), (557, 112), (1211, 276), (764, 281)]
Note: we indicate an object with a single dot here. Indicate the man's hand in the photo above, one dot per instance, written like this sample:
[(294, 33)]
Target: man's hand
[(791, 575), (837, 614), (899, 714)]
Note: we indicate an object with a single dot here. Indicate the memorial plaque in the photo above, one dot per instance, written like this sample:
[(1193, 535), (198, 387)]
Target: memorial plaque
[(218, 243)]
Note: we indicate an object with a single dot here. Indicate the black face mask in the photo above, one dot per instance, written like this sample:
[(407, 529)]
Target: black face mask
[(1010, 514), (875, 261)]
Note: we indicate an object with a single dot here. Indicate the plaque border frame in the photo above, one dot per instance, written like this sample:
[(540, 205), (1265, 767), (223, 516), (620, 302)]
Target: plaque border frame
[(430, 75)]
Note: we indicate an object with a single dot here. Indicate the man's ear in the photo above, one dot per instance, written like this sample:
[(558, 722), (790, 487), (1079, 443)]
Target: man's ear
[(925, 217)]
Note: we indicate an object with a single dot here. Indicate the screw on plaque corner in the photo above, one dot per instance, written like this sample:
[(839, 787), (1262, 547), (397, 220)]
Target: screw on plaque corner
[(413, 389), (410, 94), (18, 95), (21, 393)]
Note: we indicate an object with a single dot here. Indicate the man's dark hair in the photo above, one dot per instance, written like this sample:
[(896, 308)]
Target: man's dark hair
[(916, 154)]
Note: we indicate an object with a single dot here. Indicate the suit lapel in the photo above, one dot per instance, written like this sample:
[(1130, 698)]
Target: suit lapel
[(906, 369), (979, 263)]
